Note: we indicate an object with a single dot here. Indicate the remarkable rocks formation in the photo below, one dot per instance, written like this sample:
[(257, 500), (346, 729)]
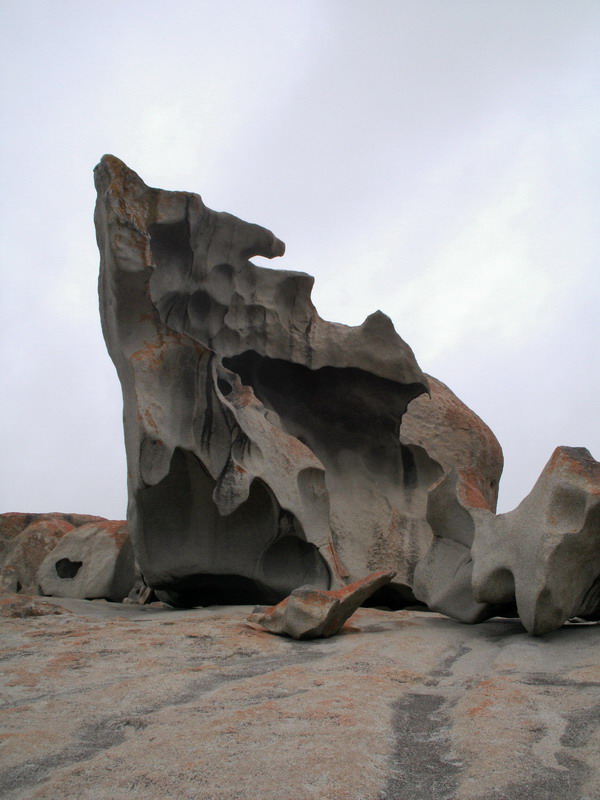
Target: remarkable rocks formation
[(268, 449), (263, 443), (310, 613), (541, 560)]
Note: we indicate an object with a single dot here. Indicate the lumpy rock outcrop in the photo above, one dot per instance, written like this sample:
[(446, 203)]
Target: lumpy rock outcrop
[(65, 555), (540, 561), (266, 447)]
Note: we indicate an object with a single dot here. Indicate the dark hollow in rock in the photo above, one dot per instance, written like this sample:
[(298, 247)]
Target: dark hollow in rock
[(66, 568), (257, 551)]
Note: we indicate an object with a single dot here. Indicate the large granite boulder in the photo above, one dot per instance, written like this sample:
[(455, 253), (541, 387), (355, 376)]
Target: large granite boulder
[(264, 444), (454, 438)]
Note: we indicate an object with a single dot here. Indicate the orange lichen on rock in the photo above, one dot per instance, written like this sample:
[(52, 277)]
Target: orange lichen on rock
[(310, 613)]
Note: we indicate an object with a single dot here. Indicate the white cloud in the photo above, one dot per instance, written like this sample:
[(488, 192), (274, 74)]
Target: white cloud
[(436, 160), (483, 282)]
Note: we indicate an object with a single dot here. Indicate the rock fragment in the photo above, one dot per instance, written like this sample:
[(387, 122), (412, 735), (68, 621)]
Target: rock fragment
[(310, 613)]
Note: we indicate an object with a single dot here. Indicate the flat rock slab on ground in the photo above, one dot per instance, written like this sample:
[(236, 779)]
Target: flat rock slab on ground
[(110, 701)]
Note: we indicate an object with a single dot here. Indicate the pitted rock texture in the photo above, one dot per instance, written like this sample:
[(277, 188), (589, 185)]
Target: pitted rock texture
[(540, 561), (310, 613), (263, 443)]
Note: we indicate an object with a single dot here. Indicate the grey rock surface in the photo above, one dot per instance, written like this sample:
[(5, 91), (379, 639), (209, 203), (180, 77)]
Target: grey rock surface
[(93, 561), (120, 702), (540, 561), (310, 613), (264, 444)]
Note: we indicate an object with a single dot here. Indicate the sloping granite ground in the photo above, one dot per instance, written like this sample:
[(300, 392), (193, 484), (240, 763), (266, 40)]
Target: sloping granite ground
[(109, 701)]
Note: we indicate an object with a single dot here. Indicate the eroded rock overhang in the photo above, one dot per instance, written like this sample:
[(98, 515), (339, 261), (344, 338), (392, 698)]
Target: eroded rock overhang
[(263, 443)]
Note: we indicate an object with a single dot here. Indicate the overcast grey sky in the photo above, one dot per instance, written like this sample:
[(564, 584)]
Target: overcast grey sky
[(436, 159)]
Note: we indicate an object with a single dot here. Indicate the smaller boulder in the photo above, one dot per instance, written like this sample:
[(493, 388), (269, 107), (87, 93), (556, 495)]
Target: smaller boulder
[(93, 561), (310, 613)]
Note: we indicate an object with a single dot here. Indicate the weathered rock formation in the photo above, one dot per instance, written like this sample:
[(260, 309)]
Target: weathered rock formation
[(269, 449), (540, 561), (264, 444), (310, 613)]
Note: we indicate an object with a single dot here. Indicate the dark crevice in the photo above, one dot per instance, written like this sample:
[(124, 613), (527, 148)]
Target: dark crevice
[(422, 765), (209, 590), (170, 245), (590, 605), (409, 467), (393, 596)]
